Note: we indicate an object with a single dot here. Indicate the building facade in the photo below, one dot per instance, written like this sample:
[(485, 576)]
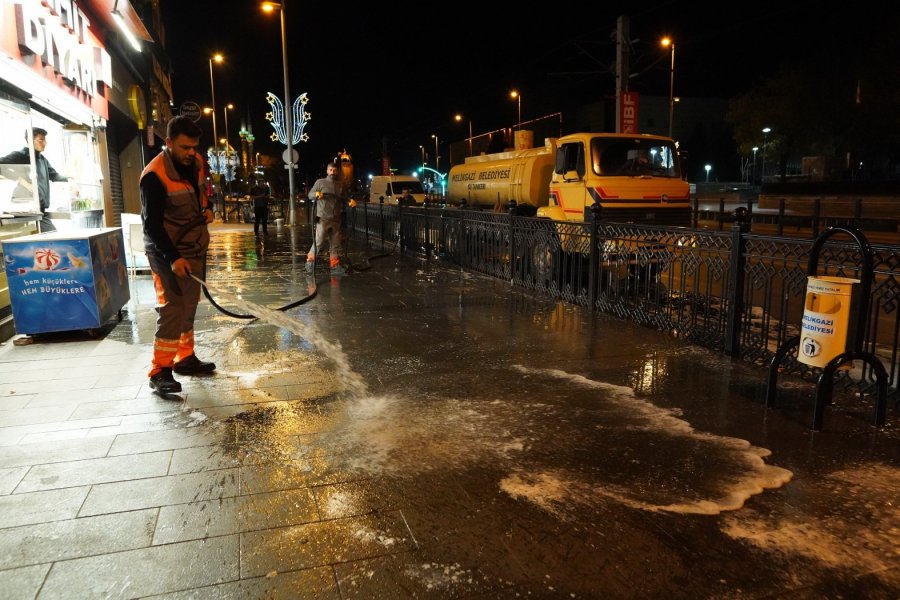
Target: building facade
[(97, 80)]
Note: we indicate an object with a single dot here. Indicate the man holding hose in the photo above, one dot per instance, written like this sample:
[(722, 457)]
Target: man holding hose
[(175, 214), (328, 194)]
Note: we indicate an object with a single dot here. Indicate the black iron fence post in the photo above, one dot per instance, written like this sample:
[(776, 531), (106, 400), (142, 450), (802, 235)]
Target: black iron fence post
[(460, 235), (381, 221), (402, 229), (594, 256), (512, 241), (366, 219), (736, 282), (426, 216)]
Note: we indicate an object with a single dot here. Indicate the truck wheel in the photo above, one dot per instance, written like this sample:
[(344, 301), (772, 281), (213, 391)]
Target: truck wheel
[(545, 257)]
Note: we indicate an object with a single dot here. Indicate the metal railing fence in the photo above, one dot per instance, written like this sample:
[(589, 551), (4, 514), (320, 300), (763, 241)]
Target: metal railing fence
[(731, 291)]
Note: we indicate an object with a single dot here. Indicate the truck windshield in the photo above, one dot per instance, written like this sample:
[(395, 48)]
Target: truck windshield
[(634, 156)]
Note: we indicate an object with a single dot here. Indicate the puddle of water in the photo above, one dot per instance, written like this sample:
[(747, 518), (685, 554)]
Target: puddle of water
[(309, 332)]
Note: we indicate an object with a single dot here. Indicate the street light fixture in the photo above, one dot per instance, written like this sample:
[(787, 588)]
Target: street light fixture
[(422, 148), (669, 42), (765, 131), (288, 124), (515, 94), (708, 169), (459, 118)]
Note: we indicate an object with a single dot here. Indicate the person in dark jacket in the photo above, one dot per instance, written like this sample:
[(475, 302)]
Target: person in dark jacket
[(45, 172), (259, 193), (175, 212)]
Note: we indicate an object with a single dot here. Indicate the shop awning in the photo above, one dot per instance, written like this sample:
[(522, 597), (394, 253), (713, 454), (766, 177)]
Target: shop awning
[(104, 9)]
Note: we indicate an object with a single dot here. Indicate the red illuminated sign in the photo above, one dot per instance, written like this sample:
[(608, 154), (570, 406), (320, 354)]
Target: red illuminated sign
[(629, 112)]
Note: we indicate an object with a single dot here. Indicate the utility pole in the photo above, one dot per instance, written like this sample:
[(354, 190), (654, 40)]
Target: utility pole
[(623, 51)]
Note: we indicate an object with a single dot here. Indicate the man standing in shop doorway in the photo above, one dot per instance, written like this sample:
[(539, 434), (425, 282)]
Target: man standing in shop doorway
[(175, 212), (45, 172)]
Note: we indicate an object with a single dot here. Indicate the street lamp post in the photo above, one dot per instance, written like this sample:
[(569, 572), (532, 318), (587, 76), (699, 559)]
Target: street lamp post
[(765, 131), (227, 142), (515, 94), (667, 41), (212, 88), (753, 178), (288, 124), (708, 169), (460, 118), (437, 156), (422, 148)]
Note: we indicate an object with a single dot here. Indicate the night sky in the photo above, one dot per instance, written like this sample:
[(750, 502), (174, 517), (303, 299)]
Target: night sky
[(400, 75)]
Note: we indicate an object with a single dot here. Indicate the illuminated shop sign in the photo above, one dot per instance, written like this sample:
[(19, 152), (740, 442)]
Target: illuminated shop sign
[(53, 41)]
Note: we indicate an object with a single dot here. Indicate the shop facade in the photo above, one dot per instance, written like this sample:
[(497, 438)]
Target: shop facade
[(84, 72)]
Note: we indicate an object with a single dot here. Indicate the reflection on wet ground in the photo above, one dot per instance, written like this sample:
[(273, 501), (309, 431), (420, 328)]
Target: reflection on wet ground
[(415, 431)]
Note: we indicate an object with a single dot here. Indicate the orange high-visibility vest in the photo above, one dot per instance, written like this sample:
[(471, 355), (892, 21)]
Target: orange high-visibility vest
[(183, 206)]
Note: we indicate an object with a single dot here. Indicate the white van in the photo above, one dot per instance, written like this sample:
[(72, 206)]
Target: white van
[(390, 187)]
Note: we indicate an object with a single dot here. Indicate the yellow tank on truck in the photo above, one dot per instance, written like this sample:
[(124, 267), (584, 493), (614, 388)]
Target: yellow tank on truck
[(494, 180)]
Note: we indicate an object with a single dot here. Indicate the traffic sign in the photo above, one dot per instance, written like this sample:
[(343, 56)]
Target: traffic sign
[(295, 156), (191, 110)]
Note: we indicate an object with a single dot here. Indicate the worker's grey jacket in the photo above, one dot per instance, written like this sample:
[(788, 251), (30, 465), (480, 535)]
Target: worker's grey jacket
[(329, 206)]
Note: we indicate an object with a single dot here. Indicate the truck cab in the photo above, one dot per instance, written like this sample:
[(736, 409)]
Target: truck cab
[(633, 177)]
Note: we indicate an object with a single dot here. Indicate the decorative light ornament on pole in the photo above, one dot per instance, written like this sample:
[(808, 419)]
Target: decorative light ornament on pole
[(218, 155), (765, 131), (459, 118), (667, 42), (442, 177), (515, 94), (292, 131)]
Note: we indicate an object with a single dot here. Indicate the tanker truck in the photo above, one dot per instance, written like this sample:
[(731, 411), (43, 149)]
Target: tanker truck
[(634, 178)]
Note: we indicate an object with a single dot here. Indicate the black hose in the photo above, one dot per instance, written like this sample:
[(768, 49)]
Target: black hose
[(291, 305), (242, 316), (202, 220)]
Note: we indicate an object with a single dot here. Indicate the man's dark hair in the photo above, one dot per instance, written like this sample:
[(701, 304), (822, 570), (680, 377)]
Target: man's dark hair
[(35, 131), (331, 164), (181, 125)]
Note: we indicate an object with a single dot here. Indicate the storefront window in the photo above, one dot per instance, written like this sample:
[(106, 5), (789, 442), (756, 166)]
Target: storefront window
[(73, 189), (17, 195), (82, 165)]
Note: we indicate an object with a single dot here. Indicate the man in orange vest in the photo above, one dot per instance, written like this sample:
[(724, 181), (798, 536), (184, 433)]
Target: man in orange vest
[(175, 213)]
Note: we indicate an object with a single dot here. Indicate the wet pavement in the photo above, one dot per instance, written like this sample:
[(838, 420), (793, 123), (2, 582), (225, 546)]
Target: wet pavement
[(411, 430)]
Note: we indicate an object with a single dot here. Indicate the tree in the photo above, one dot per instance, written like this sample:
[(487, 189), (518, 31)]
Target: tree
[(839, 101), (794, 105)]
